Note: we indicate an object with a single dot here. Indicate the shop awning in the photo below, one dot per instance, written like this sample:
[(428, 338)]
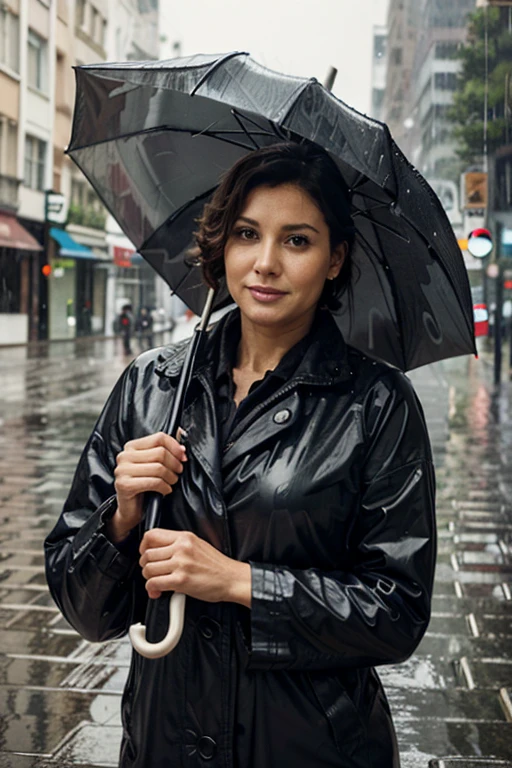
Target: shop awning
[(69, 247), (13, 235)]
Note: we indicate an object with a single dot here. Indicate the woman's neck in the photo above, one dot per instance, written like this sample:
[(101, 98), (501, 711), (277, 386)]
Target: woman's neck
[(262, 348)]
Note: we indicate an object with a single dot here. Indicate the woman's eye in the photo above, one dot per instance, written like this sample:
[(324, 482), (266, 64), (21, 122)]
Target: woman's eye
[(244, 233), (299, 240)]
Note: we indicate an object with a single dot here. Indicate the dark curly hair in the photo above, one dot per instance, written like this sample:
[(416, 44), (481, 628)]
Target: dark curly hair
[(306, 165)]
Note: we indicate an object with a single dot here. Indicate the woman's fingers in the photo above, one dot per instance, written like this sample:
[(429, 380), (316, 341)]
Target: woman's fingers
[(158, 455), (149, 470), (156, 554), (170, 583), (127, 487), (157, 440)]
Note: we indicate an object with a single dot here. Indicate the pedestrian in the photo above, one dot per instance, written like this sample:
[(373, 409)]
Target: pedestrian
[(144, 327), (125, 325), (299, 516)]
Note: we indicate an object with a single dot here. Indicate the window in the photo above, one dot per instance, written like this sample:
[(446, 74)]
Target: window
[(377, 98), (446, 50), (445, 81), (80, 14), (94, 19), (396, 56), (8, 146), (9, 39), (37, 61), (379, 46), (35, 156)]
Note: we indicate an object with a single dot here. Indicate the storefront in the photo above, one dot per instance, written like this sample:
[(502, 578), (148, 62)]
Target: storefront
[(19, 260), (77, 287)]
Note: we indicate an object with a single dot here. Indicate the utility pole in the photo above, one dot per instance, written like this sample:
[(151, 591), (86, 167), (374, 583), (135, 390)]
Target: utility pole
[(498, 321)]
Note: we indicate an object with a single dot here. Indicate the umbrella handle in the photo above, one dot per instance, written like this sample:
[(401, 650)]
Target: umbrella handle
[(137, 632), (149, 650)]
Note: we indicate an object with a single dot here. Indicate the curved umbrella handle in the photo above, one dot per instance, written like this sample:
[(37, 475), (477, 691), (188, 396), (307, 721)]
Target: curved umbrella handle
[(149, 650)]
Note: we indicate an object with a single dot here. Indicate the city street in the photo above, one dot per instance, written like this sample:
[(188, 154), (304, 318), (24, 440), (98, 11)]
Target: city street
[(60, 695)]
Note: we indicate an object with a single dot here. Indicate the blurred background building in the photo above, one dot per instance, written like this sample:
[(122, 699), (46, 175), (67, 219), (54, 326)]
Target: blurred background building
[(448, 103), (65, 267)]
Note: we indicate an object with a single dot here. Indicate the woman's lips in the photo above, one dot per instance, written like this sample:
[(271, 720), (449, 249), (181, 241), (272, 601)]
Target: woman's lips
[(261, 293)]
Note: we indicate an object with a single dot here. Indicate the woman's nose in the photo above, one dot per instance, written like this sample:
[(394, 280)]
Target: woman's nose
[(267, 258)]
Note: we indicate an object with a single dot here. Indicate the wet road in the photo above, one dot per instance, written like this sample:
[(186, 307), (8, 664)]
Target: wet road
[(60, 696)]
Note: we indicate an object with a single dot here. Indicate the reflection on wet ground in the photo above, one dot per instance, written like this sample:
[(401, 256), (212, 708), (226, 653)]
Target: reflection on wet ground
[(60, 696)]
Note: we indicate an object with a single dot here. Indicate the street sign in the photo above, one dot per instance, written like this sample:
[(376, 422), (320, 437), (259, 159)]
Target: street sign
[(56, 208), (480, 243), (474, 190), (123, 256)]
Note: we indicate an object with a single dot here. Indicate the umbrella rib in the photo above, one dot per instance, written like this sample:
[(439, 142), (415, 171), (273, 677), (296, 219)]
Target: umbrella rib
[(159, 129), (373, 221), (219, 137), (396, 308), (369, 197), (362, 179), (237, 117), (174, 291), (276, 130), (211, 69)]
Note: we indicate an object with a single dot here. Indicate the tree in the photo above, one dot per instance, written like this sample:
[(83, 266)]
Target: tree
[(467, 112)]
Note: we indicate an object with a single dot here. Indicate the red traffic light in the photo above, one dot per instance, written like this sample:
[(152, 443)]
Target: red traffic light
[(46, 270)]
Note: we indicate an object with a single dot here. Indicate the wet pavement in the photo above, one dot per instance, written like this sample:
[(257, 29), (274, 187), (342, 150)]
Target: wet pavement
[(60, 695)]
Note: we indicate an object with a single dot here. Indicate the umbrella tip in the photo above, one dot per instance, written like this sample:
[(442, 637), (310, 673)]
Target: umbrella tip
[(331, 77)]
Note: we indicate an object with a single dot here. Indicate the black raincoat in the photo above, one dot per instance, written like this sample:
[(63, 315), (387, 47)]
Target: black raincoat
[(327, 489)]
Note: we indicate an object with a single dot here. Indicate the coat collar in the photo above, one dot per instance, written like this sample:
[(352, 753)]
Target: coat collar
[(325, 362)]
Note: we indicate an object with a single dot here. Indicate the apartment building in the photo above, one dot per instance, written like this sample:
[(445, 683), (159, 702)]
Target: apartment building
[(401, 41), (25, 136), (379, 70), (442, 29), (58, 277)]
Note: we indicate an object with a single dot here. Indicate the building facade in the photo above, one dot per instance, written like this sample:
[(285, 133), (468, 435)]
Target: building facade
[(442, 29), (401, 41), (379, 70), (58, 276)]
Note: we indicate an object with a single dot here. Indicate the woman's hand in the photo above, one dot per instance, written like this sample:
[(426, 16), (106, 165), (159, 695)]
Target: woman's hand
[(182, 562), (152, 463)]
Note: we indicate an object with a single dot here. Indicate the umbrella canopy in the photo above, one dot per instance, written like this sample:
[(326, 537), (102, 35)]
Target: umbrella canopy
[(154, 138)]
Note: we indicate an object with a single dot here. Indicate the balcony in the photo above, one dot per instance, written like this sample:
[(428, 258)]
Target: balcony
[(9, 193), (87, 216)]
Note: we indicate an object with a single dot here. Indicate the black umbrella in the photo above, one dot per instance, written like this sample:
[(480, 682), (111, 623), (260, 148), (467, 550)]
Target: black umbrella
[(154, 138)]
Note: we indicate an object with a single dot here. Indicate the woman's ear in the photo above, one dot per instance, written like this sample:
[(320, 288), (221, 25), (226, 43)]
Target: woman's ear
[(338, 256)]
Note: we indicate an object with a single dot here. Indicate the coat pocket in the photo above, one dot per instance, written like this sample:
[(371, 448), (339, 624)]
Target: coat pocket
[(346, 722)]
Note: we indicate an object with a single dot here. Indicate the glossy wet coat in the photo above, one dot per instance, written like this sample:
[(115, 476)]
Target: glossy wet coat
[(333, 507)]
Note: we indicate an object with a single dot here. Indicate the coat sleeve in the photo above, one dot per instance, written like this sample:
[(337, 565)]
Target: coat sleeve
[(89, 578), (376, 610)]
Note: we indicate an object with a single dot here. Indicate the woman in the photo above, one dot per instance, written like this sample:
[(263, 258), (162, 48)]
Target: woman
[(299, 517)]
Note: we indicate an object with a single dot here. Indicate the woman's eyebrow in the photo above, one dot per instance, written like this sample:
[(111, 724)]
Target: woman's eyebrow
[(285, 227), (290, 227)]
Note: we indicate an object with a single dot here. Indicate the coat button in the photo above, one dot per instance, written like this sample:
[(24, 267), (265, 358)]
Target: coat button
[(207, 627), (206, 747), (281, 417)]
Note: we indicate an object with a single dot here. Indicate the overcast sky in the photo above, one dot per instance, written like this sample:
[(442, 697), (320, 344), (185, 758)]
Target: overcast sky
[(299, 37)]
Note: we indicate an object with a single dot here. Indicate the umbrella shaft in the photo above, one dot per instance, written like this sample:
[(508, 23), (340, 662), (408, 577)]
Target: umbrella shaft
[(153, 511)]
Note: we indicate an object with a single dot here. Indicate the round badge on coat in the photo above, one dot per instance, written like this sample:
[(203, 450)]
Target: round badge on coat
[(281, 417)]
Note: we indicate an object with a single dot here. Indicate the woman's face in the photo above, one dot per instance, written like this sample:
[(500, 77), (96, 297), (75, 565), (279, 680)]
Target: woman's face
[(278, 257)]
